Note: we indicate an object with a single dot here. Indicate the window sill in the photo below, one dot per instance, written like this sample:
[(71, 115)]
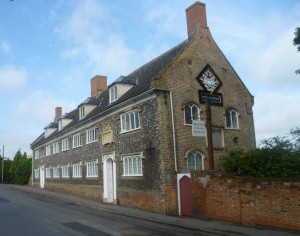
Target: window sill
[(77, 146), (132, 175), (232, 128), (127, 131), (92, 141)]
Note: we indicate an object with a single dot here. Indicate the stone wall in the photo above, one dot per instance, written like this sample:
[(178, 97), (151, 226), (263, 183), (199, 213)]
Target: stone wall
[(269, 202)]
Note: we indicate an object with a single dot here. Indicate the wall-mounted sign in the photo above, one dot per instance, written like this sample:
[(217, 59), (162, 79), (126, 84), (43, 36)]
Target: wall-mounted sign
[(216, 99), (198, 128), (209, 80)]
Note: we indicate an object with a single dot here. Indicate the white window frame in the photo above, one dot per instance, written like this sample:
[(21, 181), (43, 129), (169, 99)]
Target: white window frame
[(37, 154), (65, 144), (130, 121), (194, 154), (55, 148), (77, 140), (48, 150), (55, 172), (231, 114), (190, 106), (60, 125), (65, 171), (81, 112), (37, 173), (48, 172), (77, 170), (91, 135), (92, 169), (132, 165), (113, 93)]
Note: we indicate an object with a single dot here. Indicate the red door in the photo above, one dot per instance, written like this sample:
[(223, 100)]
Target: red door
[(185, 196)]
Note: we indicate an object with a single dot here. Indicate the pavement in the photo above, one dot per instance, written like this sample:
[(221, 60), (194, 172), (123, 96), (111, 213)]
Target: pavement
[(213, 227)]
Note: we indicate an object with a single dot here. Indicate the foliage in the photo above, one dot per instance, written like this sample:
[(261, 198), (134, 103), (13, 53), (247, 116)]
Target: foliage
[(7, 177), (279, 157), (296, 42)]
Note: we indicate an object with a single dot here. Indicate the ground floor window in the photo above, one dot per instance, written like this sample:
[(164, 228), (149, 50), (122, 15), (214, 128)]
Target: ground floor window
[(92, 169), (48, 172), (37, 173), (65, 171), (77, 170), (55, 172), (195, 161), (132, 165)]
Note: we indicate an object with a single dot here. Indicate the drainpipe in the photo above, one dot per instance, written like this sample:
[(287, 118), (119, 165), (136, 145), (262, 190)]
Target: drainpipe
[(173, 131)]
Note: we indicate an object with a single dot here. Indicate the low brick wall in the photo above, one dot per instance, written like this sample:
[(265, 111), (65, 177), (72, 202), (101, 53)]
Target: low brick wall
[(249, 201)]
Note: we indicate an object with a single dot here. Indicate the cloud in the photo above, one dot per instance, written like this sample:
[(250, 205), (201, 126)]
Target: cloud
[(276, 113), (5, 47), (12, 78)]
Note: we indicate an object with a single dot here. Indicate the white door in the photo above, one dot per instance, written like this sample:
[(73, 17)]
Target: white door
[(42, 177), (109, 180)]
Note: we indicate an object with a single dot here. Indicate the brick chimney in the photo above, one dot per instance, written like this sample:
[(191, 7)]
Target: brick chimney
[(58, 113), (195, 17), (98, 85)]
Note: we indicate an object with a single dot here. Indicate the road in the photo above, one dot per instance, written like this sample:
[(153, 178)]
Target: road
[(28, 213)]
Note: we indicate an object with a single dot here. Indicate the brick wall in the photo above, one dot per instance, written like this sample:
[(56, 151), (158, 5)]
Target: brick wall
[(268, 202)]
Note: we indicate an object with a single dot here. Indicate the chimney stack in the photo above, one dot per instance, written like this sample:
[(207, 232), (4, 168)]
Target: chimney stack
[(195, 17), (58, 113), (98, 85)]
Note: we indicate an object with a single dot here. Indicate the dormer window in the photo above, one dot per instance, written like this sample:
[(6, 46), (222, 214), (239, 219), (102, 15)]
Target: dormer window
[(113, 94), (60, 125), (81, 112)]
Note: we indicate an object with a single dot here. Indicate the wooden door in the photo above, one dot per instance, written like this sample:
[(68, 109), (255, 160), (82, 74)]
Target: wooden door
[(185, 196)]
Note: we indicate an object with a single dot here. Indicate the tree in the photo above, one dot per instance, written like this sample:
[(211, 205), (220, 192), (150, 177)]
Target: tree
[(296, 42), (20, 169)]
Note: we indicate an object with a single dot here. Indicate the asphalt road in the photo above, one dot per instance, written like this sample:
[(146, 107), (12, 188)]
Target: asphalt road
[(27, 213)]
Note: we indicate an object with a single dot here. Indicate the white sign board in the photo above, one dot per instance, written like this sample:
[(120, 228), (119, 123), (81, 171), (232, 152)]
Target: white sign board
[(198, 128)]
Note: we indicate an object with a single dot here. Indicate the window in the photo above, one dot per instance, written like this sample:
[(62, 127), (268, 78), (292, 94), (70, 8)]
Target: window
[(36, 154), (113, 94), (232, 121), (60, 126), (191, 112), (55, 147), (77, 170), (55, 172), (217, 137), (195, 161), (91, 135), (92, 169), (48, 172), (81, 112), (65, 171), (132, 165), (130, 121), (77, 140), (37, 173), (48, 150), (65, 144)]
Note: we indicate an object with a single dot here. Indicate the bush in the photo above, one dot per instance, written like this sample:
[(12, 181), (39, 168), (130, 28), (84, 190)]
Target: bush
[(277, 158)]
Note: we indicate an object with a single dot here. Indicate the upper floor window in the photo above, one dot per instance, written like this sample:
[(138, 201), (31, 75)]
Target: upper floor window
[(232, 121), (191, 112), (55, 147), (60, 126), (81, 112), (77, 170), (77, 140), (36, 154), (113, 93), (132, 165), (48, 150), (130, 121), (65, 144), (195, 161), (92, 169), (91, 135)]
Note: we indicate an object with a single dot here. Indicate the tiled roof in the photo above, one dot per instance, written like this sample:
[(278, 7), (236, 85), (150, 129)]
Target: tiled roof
[(141, 78)]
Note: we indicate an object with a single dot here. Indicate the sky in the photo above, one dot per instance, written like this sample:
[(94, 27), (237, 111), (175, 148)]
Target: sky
[(49, 51)]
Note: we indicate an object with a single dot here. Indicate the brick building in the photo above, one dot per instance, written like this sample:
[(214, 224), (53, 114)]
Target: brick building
[(131, 142)]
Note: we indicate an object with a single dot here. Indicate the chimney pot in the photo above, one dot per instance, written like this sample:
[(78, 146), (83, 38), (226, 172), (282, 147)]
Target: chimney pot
[(98, 85), (195, 17)]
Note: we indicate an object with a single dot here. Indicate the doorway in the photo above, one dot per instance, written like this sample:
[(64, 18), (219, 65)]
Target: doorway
[(109, 180)]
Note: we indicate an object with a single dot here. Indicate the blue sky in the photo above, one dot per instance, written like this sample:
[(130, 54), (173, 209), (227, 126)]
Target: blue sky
[(49, 51)]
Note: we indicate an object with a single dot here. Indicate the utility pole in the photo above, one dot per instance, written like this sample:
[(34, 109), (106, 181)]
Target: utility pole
[(209, 134), (2, 165)]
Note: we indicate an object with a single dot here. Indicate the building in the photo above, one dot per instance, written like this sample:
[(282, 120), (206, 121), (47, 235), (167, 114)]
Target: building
[(131, 142)]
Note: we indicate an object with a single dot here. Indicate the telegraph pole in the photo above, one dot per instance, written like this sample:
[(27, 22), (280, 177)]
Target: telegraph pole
[(2, 165)]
